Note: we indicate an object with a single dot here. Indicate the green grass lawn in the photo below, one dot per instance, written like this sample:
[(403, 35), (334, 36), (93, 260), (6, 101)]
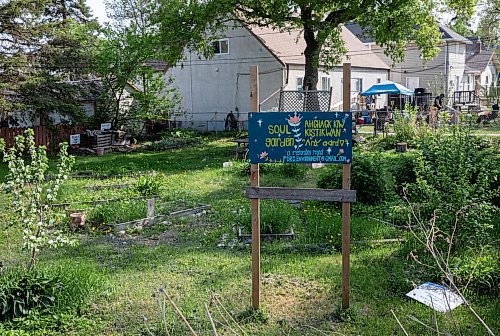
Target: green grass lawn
[(301, 282)]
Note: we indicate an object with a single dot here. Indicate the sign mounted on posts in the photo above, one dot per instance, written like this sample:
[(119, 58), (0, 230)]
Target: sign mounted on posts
[(305, 137)]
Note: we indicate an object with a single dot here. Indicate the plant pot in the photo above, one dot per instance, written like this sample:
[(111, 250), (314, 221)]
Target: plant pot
[(99, 151), (77, 219)]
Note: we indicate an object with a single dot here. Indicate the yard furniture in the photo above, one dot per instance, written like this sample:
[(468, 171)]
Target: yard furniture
[(398, 95), (380, 121), (241, 147)]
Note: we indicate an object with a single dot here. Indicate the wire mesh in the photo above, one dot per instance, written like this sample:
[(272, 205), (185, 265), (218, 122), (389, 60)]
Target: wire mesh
[(305, 101)]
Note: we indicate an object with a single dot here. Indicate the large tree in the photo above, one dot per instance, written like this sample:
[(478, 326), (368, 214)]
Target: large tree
[(393, 23), (489, 23), (44, 48), (127, 53)]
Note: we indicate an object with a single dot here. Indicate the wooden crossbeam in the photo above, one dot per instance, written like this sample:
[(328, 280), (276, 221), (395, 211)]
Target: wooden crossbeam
[(305, 194)]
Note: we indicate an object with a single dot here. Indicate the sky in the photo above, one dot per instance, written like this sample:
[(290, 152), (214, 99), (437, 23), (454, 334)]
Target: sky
[(98, 9)]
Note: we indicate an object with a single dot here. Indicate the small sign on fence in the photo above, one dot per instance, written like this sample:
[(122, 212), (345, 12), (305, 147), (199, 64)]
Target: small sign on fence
[(308, 137), (105, 126), (74, 139)]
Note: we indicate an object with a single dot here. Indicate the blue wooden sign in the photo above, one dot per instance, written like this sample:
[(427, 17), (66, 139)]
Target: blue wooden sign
[(305, 137)]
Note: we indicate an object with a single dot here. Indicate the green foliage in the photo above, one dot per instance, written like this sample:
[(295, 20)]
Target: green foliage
[(44, 47), (27, 298), (369, 177), (402, 168), (276, 217), (116, 212), (148, 185), (24, 291), (455, 176), (323, 225), (32, 195), (173, 139), (319, 24), (479, 269), (281, 169)]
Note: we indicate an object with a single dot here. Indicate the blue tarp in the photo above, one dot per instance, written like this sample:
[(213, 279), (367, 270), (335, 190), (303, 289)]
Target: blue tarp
[(388, 87)]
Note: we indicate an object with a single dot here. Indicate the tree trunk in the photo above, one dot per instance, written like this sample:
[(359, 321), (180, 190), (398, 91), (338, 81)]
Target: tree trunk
[(311, 54)]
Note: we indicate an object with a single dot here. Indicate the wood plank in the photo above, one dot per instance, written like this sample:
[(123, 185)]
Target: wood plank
[(255, 203), (305, 194), (346, 206)]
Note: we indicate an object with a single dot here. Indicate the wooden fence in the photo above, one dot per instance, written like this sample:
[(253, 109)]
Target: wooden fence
[(49, 137)]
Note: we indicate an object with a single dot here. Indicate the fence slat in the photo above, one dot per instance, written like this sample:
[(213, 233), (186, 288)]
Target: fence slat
[(43, 136), (328, 195)]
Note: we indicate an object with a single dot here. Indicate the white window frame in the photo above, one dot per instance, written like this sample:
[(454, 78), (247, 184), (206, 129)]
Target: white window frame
[(328, 82), (219, 42), (418, 82), (355, 81), (300, 88)]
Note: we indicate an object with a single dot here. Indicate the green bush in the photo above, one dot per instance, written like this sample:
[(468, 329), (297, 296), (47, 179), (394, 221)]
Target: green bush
[(275, 217), (369, 177), (282, 169), (22, 291), (402, 168), (148, 185), (479, 269), (454, 176), (116, 212)]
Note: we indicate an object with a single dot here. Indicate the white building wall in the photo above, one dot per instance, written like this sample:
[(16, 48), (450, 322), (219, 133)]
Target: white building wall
[(212, 88), (488, 77), (368, 76), (434, 74)]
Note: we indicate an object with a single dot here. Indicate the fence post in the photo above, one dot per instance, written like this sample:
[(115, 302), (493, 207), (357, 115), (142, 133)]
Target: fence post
[(255, 203)]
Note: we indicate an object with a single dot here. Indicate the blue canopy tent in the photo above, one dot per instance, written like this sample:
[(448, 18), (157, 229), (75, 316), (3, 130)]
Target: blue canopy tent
[(388, 87)]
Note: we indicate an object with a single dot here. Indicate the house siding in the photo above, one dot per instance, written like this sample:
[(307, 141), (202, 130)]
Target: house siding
[(369, 77), (212, 88)]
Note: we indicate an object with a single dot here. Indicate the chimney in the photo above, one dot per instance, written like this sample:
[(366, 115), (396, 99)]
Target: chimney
[(479, 46)]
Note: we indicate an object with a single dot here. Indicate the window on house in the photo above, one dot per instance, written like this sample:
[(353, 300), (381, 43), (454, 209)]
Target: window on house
[(325, 83), (486, 80), (300, 86), (412, 83), (457, 83), (379, 80), (221, 47), (358, 84)]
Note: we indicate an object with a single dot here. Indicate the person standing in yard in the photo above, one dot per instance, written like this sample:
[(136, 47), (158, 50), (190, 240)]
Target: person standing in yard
[(438, 102)]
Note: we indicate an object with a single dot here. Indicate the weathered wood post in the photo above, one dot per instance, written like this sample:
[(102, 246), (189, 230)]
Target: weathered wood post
[(346, 206), (255, 203)]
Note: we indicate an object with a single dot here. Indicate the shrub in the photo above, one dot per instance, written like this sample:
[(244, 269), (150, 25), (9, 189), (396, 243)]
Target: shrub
[(47, 292), (22, 292), (276, 217), (454, 177), (116, 212), (369, 177), (148, 185), (402, 168)]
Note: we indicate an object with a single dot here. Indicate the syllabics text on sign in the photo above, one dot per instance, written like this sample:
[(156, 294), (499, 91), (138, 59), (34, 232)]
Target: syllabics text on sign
[(305, 137)]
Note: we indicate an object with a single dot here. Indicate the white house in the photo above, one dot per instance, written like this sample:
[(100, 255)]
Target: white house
[(211, 88), (481, 67), (461, 65)]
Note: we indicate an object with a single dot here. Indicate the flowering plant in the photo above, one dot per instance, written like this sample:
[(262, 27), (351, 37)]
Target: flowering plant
[(32, 195)]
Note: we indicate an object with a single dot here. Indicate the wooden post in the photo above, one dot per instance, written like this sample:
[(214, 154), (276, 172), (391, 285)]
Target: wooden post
[(151, 208), (346, 207), (255, 203)]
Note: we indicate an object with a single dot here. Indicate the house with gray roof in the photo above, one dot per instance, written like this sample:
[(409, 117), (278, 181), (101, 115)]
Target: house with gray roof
[(212, 88), (442, 74), (461, 65), (481, 64)]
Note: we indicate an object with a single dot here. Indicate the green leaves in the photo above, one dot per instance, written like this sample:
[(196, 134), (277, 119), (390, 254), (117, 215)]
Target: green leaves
[(32, 195)]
